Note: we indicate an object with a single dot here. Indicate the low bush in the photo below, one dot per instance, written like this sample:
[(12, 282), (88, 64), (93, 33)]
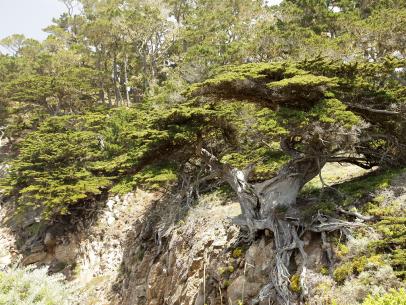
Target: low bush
[(28, 286), (394, 297)]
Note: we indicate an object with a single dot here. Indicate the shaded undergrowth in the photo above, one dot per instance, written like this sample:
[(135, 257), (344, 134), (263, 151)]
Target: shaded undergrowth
[(380, 196)]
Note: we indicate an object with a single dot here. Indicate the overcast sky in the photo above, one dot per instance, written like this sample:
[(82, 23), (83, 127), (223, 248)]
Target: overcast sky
[(29, 17)]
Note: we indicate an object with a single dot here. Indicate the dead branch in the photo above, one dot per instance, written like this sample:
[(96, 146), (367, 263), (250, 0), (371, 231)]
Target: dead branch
[(356, 214), (361, 162), (369, 109)]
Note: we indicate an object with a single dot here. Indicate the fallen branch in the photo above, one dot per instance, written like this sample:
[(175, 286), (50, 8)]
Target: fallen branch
[(361, 162), (369, 109), (356, 214)]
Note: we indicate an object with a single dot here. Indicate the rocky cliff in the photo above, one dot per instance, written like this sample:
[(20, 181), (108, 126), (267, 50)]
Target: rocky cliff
[(149, 248)]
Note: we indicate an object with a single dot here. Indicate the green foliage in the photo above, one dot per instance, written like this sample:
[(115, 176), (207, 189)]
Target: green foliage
[(324, 270), (32, 88), (237, 252), (393, 231), (358, 188), (373, 181), (279, 77), (342, 250), (215, 33), (389, 211), (333, 111), (295, 283), (74, 158), (226, 270), (53, 169), (326, 76), (254, 71), (226, 283), (33, 287), (394, 297), (302, 80), (150, 177), (300, 89), (398, 262), (71, 90), (320, 74), (356, 266), (54, 94)]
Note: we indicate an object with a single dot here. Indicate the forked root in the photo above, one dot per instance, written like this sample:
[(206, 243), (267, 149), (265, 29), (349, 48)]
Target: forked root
[(287, 241)]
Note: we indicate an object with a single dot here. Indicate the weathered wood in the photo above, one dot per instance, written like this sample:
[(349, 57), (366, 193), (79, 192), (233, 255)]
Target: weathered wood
[(262, 208)]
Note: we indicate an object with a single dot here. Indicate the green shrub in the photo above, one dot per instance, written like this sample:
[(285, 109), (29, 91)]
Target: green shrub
[(237, 252), (342, 250), (226, 283), (394, 297), (398, 262), (53, 169), (295, 283), (393, 231), (324, 270), (72, 159), (343, 271), (33, 287), (356, 266)]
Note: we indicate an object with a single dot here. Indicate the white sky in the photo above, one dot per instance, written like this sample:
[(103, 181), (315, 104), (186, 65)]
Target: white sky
[(272, 2), (29, 17)]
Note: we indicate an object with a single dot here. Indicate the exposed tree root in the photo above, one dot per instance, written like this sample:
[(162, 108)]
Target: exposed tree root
[(264, 206), (287, 242)]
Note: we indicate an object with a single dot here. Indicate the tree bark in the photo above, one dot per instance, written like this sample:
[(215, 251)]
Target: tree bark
[(107, 86), (263, 206), (119, 99), (127, 91), (271, 205), (100, 79), (261, 201)]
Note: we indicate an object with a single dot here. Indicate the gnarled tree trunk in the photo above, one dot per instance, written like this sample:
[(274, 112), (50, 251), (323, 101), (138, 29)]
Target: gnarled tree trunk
[(262, 204)]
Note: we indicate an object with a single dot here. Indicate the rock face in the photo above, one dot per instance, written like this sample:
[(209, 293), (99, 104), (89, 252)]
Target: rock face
[(147, 249), (89, 256), (197, 261), (142, 250), (195, 248), (8, 252), (202, 262)]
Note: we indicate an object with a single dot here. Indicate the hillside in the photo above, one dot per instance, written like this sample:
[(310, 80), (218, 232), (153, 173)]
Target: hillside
[(176, 152)]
